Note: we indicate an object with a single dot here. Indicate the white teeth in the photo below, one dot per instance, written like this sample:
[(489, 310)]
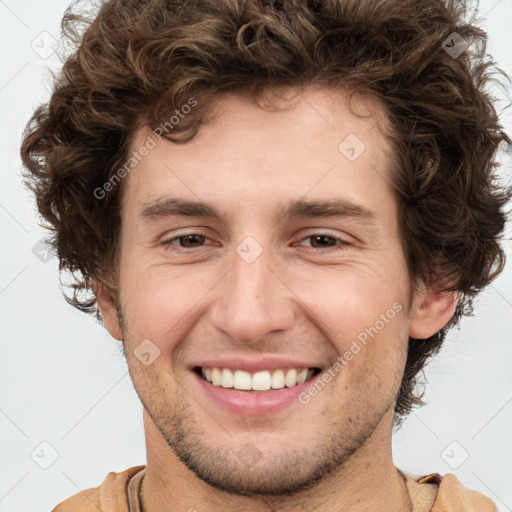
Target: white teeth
[(291, 378), (207, 374), (301, 376), (261, 381), (278, 379), (258, 381), (226, 378), (216, 377), (242, 380)]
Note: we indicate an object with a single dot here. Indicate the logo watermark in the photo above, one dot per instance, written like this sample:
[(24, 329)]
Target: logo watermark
[(143, 151), (363, 337)]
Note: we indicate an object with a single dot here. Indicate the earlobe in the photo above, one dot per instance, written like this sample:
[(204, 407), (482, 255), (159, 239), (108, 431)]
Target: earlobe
[(108, 310), (431, 311)]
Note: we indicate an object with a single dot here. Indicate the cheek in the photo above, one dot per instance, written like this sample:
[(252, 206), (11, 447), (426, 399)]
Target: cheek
[(158, 297), (362, 312), (352, 298), (377, 353)]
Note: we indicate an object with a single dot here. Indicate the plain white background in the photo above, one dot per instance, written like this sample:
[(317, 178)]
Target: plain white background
[(64, 383)]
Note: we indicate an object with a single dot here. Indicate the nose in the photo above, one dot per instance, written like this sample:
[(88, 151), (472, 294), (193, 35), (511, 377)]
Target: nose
[(252, 301)]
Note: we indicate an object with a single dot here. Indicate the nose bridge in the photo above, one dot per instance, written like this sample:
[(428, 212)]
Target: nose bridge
[(252, 301)]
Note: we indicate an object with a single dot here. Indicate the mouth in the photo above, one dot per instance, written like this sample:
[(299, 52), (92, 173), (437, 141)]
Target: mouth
[(266, 381)]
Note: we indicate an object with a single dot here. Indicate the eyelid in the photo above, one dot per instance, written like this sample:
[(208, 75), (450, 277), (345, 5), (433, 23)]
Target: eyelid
[(168, 241), (322, 232)]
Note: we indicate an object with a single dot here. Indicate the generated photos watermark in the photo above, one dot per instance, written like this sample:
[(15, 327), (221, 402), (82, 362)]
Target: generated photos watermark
[(363, 338), (143, 151)]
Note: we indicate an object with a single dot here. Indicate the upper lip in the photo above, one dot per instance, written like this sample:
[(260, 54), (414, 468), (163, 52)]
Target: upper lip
[(255, 364)]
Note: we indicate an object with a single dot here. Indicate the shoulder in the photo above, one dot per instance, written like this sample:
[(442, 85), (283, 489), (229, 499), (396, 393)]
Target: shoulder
[(452, 496), (110, 496)]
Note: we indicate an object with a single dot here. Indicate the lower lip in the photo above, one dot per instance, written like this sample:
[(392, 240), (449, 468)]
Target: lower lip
[(253, 403)]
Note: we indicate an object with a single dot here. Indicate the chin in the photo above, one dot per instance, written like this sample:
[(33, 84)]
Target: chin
[(281, 475)]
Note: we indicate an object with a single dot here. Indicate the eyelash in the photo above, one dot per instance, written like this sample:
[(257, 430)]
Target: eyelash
[(168, 243)]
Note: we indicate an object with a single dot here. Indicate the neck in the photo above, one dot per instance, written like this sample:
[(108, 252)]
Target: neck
[(366, 482)]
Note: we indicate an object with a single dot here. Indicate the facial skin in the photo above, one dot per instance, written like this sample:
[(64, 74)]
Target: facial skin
[(301, 298)]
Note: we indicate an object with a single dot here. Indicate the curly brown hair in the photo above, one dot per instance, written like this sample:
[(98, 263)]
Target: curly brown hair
[(136, 61)]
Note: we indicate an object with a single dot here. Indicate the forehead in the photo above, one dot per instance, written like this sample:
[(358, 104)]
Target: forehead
[(315, 145)]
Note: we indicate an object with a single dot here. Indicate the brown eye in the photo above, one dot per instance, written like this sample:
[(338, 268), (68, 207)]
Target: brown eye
[(191, 240), (322, 241), (188, 241)]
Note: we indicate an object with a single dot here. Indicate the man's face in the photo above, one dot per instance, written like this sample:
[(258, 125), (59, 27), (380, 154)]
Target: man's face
[(256, 292)]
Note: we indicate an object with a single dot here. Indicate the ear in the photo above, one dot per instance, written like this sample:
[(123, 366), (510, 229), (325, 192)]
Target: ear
[(431, 311), (107, 309)]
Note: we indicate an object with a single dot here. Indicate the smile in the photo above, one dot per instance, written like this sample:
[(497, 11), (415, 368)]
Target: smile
[(265, 380)]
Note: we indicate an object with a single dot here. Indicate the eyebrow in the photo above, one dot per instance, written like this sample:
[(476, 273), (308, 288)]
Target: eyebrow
[(337, 207)]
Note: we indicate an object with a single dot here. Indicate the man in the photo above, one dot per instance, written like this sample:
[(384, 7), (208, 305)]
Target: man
[(279, 209)]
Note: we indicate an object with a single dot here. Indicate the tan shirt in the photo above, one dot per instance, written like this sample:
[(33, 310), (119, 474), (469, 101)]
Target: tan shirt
[(422, 495), (430, 493)]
